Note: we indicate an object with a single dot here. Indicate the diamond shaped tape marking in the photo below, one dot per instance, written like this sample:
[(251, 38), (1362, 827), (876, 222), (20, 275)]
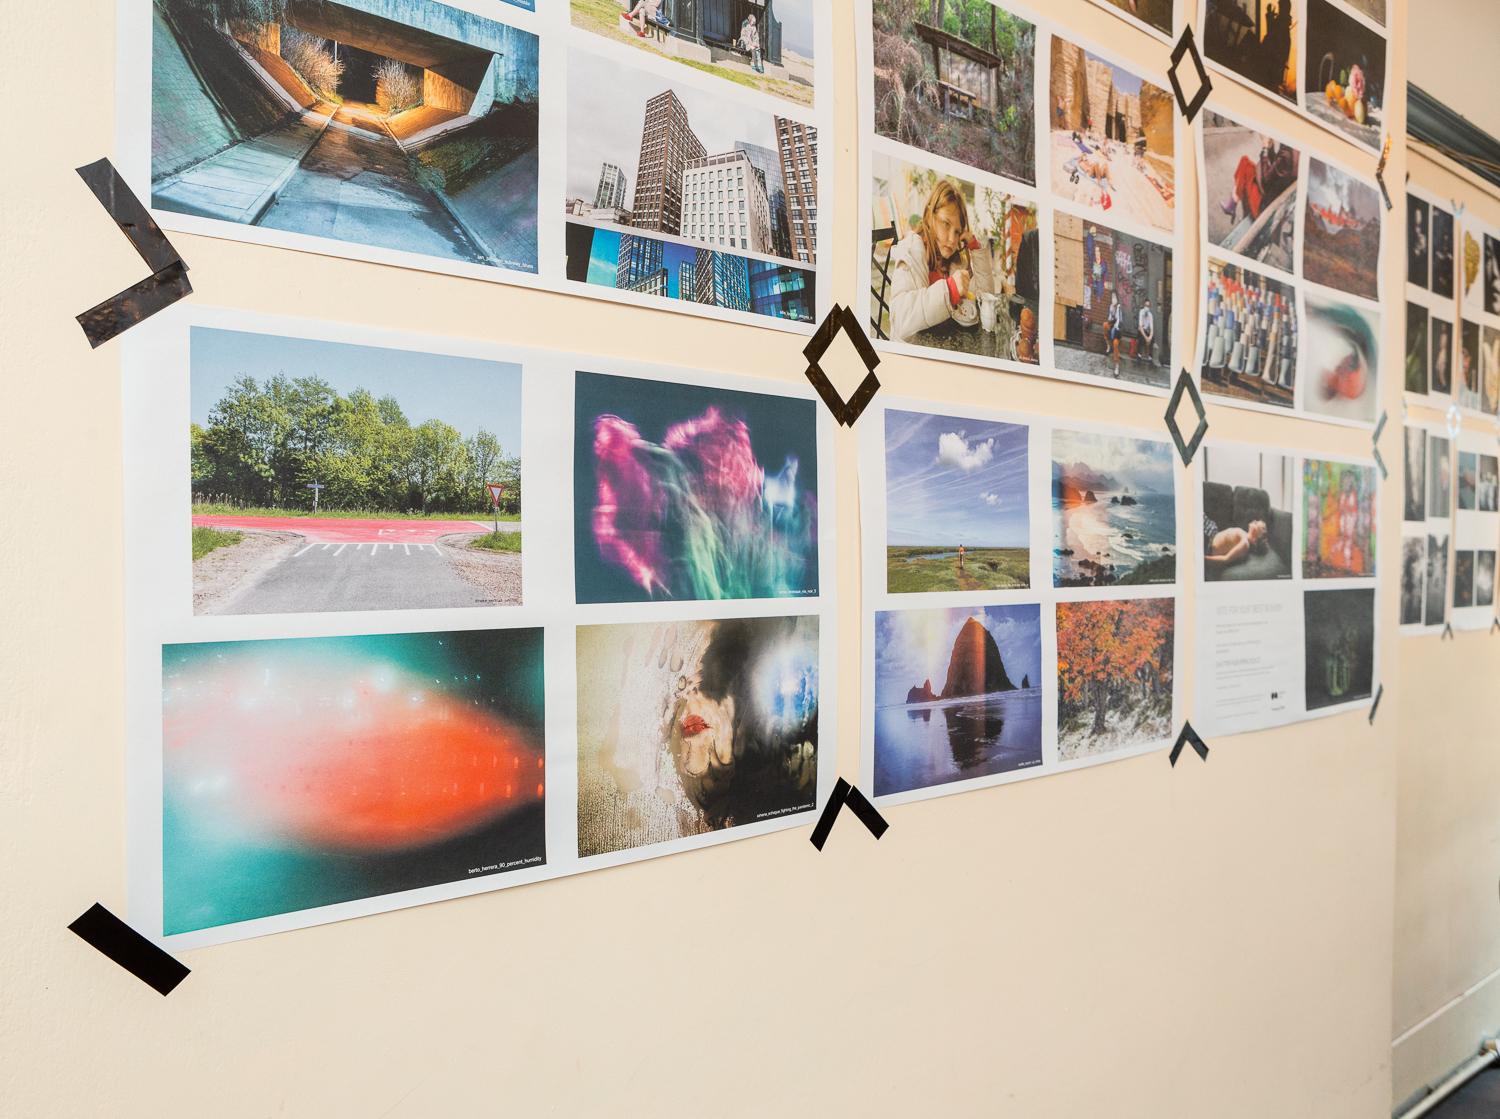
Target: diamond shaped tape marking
[(1187, 45), (842, 318), (1189, 448)]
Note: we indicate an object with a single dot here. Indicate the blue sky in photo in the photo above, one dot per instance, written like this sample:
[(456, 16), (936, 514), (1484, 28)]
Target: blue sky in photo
[(950, 480), (466, 393)]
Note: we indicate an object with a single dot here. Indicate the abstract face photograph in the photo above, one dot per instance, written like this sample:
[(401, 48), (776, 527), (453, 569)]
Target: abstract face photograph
[(693, 727), (1418, 241), (1416, 348), (1251, 180), (1467, 389), (1413, 578), (1342, 359), (1111, 143), (684, 492), (1436, 607), (1468, 477), (1338, 530), (937, 231), (1414, 506), (301, 773), (1114, 510), (957, 504), (1463, 579), (1441, 363), (1439, 477), (958, 82), (1442, 253), (1487, 488), (399, 124), (328, 476), (1113, 303), (1114, 675), (1345, 74), (1484, 578), (1339, 646), (1341, 231), (1251, 351), (957, 694), (1249, 502), (1256, 39)]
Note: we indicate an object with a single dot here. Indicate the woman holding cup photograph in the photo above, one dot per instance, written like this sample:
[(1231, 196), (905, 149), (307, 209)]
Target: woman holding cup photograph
[(940, 269)]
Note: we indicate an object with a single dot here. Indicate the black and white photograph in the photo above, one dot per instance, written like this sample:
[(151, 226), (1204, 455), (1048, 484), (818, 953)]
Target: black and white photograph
[(1437, 579), (1415, 506), (1413, 578), (1418, 241)]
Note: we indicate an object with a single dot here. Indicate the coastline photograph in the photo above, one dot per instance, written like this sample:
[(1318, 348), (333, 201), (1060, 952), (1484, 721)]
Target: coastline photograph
[(957, 504), (1114, 675), (957, 694), (1114, 510)]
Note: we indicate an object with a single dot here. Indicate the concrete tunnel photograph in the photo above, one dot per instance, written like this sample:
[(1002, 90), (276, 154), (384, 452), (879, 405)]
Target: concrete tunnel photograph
[(401, 124)]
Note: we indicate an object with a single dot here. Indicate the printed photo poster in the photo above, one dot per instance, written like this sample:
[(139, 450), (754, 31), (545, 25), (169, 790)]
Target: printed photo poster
[(1429, 482), (1292, 316), (1476, 529), (1287, 573), (1477, 387), (650, 155), (1004, 157), (1431, 303), (1324, 58), (352, 688), (1022, 606), (1157, 18)]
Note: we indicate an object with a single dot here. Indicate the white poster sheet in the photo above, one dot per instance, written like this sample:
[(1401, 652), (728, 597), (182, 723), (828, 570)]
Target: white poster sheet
[(339, 713), (1286, 614), (1427, 481), (1003, 180), (1325, 59), (650, 155), (1433, 375), (1022, 613), (1476, 529), (1292, 315)]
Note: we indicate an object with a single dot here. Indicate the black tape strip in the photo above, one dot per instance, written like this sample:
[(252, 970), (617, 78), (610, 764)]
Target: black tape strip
[(1379, 427), (135, 304), (842, 318), (1447, 632), (830, 813), (1185, 736), (1374, 707), (1187, 45), (1189, 448), (866, 812), (133, 219), (168, 281), (1380, 462), (128, 948), (1494, 625)]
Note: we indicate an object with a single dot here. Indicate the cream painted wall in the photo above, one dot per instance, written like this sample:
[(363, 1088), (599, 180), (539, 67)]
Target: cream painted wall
[(1129, 940), (1453, 50), (1447, 945)]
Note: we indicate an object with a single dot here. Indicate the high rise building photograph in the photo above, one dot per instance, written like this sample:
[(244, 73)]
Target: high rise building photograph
[(683, 163)]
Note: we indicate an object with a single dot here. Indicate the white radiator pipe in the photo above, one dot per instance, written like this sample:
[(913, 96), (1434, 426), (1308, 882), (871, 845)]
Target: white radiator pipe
[(1461, 1076)]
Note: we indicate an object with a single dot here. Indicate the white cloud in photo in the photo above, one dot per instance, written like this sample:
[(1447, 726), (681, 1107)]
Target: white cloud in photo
[(954, 451)]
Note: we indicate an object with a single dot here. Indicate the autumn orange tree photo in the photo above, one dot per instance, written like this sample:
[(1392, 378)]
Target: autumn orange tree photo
[(1113, 653)]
